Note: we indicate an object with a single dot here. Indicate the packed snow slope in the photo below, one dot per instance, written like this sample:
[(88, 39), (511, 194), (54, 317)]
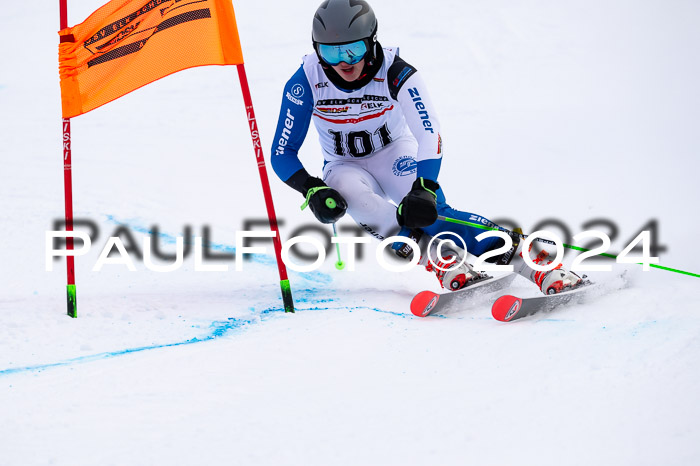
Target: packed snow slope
[(575, 111)]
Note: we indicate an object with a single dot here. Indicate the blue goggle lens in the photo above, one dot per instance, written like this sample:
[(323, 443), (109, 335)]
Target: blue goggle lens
[(349, 53)]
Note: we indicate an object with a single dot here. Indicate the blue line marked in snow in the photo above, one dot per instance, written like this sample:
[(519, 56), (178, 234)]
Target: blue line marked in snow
[(166, 237), (316, 277), (218, 329)]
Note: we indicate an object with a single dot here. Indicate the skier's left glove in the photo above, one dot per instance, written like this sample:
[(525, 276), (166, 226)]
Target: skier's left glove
[(326, 203), (418, 208)]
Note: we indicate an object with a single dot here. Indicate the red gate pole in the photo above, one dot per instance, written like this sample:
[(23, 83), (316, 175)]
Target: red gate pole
[(254, 133), (68, 190)]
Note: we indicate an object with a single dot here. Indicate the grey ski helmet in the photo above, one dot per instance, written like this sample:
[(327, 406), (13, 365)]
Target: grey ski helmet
[(345, 21)]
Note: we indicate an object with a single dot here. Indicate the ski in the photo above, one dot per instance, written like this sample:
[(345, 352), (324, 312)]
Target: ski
[(426, 303), (509, 308)]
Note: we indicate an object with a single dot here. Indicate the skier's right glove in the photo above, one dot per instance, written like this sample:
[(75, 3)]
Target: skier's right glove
[(326, 203), (418, 209)]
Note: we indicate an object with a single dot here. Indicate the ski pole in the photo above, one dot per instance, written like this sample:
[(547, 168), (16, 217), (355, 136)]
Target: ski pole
[(331, 204), (340, 265)]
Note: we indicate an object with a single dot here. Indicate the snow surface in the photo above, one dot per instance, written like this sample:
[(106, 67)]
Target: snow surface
[(565, 109)]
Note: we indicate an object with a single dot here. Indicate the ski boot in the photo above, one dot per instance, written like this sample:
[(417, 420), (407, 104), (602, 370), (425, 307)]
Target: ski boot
[(451, 276), (557, 280), (550, 282)]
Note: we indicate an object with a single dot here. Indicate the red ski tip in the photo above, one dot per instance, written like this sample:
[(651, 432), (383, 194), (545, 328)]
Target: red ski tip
[(423, 303), (506, 308)]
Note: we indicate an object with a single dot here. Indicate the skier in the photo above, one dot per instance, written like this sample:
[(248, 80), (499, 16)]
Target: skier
[(382, 147)]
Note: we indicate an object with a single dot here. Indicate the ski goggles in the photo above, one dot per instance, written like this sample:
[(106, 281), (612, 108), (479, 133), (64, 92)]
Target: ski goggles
[(349, 53)]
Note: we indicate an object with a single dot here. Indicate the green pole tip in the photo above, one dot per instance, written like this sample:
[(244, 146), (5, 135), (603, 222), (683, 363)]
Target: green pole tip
[(72, 302), (340, 265), (287, 296)]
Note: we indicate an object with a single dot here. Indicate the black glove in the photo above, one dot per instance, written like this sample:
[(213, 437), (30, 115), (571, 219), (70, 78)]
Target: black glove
[(418, 208), (326, 203)]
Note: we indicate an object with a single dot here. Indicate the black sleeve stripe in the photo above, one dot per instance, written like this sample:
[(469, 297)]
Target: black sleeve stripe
[(398, 74)]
